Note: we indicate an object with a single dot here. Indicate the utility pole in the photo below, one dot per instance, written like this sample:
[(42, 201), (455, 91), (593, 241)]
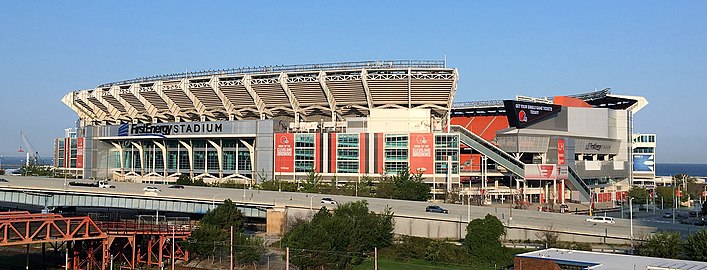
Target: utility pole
[(630, 206), (375, 258), (231, 265), (287, 258)]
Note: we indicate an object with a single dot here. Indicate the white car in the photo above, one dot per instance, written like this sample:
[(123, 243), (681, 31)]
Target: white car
[(326, 200), (608, 220), (151, 189)]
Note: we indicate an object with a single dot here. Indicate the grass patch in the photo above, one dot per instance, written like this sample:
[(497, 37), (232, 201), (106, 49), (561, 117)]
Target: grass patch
[(387, 263)]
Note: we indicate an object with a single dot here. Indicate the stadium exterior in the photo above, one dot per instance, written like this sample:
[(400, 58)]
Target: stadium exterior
[(345, 121)]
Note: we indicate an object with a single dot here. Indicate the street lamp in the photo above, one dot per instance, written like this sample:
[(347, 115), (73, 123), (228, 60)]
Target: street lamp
[(213, 202)]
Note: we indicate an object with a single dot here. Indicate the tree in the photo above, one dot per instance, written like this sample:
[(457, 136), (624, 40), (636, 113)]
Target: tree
[(277, 184), (663, 244), (696, 246), (666, 193), (312, 183), (483, 239), (225, 216), (339, 239), (184, 180), (403, 186), (639, 194), (549, 237), (212, 237)]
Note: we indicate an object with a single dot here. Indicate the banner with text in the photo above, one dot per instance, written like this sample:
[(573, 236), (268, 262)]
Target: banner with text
[(79, 152), (422, 153), (523, 114), (284, 152), (546, 172)]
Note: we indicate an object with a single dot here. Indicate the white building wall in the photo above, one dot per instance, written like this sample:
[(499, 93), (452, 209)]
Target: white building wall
[(590, 122), (399, 120)]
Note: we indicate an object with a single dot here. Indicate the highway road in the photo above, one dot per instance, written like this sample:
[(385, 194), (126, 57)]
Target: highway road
[(521, 218)]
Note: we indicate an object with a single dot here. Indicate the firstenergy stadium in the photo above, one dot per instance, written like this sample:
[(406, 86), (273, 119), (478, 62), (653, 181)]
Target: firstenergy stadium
[(346, 121)]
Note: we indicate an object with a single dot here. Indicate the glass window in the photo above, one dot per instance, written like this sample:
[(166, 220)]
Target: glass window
[(244, 161), (229, 144), (172, 160), (212, 160), (183, 160), (347, 140), (304, 140), (159, 160), (347, 154), (446, 141), (229, 160), (396, 154), (199, 159), (198, 144), (394, 167), (346, 167), (396, 141)]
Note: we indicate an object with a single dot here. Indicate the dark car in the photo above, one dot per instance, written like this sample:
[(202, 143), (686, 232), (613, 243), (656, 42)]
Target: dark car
[(668, 215), (3, 180), (436, 209), (177, 186)]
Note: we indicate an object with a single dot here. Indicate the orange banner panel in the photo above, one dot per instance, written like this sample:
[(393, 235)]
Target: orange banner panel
[(79, 153), (284, 152), (422, 153)]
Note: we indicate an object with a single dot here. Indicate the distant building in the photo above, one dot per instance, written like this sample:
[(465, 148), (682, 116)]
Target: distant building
[(551, 259), (644, 160)]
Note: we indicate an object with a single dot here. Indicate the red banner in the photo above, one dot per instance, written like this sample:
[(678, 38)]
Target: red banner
[(561, 151), (422, 153), (284, 152), (79, 152)]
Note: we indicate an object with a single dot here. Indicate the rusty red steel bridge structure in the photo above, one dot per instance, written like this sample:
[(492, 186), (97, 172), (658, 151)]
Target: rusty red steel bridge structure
[(96, 245)]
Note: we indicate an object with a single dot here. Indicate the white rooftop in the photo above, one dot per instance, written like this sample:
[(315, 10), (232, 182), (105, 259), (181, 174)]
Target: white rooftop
[(608, 261)]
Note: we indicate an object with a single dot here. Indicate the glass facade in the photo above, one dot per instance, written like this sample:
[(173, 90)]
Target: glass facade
[(446, 146), (235, 157), (347, 153), (304, 152), (396, 153)]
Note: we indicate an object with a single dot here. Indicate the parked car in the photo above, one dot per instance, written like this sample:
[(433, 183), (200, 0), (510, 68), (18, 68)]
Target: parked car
[(177, 186), (436, 209), (327, 200), (151, 189), (608, 220), (3, 180), (667, 215), (104, 184)]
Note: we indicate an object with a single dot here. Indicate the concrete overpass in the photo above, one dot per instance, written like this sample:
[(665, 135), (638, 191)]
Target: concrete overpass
[(410, 217)]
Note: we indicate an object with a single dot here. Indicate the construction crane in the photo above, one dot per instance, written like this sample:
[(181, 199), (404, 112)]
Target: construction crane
[(32, 154)]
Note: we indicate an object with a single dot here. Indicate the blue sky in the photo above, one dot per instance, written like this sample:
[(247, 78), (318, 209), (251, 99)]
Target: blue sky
[(657, 49)]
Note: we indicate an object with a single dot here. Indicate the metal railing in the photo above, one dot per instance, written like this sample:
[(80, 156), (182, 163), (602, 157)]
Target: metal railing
[(289, 68), (493, 152), (131, 226), (477, 104)]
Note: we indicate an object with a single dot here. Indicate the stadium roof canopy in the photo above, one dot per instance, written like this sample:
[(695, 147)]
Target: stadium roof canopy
[(598, 99), (303, 92)]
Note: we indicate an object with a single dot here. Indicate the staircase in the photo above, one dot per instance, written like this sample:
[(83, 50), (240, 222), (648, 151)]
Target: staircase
[(511, 163)]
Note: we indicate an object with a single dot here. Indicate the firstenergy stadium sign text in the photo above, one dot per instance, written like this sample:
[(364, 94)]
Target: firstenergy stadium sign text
[(169, 129)]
